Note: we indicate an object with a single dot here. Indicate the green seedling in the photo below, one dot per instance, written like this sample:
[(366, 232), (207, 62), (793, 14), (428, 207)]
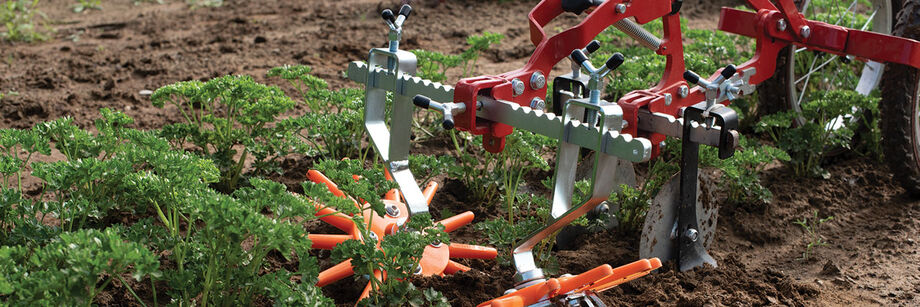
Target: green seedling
[(22, 21), (86, 5), (812, 235)]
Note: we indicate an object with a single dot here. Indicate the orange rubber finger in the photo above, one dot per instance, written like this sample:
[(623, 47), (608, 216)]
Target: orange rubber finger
[(335, 273), (336, 219), (392, 195), (453, 267), (367, 290), (584, 279), (528, 296), (458, 250), (457, 221), (429, 191), (625, 273), (318, 177), (513, 301), (324, 241)]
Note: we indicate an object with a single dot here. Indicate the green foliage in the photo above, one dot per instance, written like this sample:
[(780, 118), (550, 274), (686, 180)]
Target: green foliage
[(230, 118), (72, 269), (22, 21), (8, 93), (433, 65), (741, 173), (204, 3), (426, 166), (812, 227), (632, 203), (335, 125), (827, 126), (486, 174), (86, 5)]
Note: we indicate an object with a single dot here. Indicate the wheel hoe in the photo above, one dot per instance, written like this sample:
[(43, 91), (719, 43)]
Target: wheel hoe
[(682, 105)]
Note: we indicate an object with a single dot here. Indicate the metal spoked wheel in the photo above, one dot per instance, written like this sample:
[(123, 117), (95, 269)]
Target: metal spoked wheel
[(801, 71)]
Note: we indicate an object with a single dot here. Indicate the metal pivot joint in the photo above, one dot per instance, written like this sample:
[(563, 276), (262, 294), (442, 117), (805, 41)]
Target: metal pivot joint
[(447, 110), (573, 84)]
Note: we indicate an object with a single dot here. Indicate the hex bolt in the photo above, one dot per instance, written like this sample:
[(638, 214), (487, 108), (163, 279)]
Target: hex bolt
[(418, 269), (667, 99), (517, 86), (393, 210), (621, 8), (538, 104), (805, 31), (683, 91), (781, 25), (436, 243), (374, 236), (537, 80), (692, 234)]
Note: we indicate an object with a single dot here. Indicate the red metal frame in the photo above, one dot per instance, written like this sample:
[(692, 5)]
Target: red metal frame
[(760, 25)]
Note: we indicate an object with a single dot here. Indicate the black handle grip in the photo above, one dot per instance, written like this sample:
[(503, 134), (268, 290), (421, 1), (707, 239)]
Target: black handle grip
[(421, 101), (387, 15), (615, 61), (691, 77), (447, 124), (405, 10), (579, 57), (593, 46), (729, 71)]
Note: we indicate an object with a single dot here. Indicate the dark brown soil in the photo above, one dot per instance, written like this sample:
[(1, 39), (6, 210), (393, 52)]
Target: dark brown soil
[(105, 58)]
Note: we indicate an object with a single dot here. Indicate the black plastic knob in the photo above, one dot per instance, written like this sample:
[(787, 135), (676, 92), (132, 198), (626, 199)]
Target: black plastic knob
[(387, 15), (691, 77), (729, 71), (579, 57), (615, 61), (405, 10), (421, 101), (593, 46), (447, 124)]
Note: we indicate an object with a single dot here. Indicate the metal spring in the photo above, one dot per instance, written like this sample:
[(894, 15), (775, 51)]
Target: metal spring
[(634, 30)]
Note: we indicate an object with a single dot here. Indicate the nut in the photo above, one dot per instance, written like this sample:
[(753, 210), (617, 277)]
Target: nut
[(517, 86), (538, 104), (537, 80)]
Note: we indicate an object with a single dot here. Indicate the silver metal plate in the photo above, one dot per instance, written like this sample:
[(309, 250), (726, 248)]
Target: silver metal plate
[(655, 240)]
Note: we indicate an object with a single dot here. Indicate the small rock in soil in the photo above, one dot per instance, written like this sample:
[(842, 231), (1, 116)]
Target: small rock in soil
[(145, 93), (830, 269)]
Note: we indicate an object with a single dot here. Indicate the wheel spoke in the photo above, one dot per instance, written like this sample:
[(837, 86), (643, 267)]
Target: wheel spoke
[(798, 102), (833, 57)]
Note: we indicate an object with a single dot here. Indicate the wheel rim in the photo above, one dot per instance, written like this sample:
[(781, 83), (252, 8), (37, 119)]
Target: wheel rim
[(808, 71)]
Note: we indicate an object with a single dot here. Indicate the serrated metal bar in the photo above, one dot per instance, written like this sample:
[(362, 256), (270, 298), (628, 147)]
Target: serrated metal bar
[(407, 84), (613, 143)]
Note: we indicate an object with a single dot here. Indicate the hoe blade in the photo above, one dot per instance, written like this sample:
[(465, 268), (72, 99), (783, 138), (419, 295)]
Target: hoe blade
[(658, 239)]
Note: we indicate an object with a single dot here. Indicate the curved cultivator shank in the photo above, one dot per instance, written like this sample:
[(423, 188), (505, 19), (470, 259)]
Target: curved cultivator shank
[(434, 261)]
